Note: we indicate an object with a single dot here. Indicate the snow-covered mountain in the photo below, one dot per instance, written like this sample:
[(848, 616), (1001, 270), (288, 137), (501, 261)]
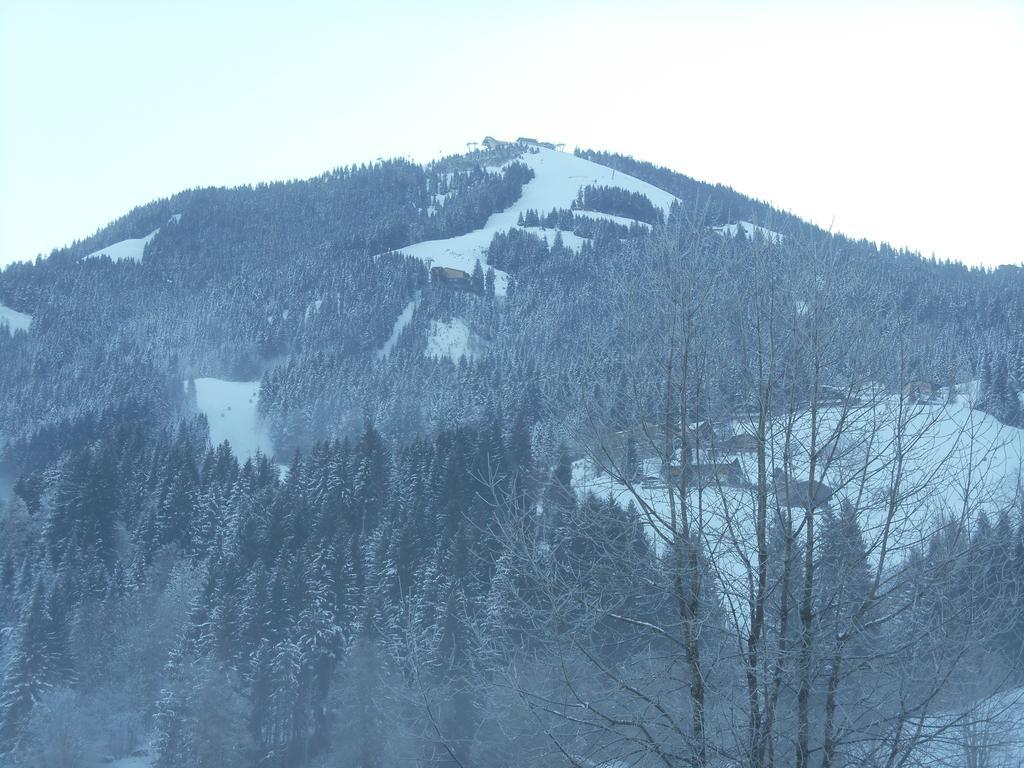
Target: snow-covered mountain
[(538, 457)]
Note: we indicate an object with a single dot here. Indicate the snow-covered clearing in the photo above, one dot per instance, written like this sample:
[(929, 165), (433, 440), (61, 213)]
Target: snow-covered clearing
[(558, 177), (131, 249), (749, 230), (955, 462), (452, 339), (230, 408), (403, 320), (125, 250), (14, 320), (955, 459)]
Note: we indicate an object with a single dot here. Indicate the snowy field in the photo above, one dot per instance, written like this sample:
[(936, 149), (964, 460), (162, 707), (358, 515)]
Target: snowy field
[(956, 462), (230, 408), (13, 320)]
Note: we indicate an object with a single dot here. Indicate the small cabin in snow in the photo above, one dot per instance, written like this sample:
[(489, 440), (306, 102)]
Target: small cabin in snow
[(451, 276), (801, 494)]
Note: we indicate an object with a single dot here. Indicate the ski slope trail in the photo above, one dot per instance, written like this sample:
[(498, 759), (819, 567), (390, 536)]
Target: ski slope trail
[(558, 177)]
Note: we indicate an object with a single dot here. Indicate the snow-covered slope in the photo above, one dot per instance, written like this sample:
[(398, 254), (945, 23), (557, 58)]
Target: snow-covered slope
[(956, 461), (558, 177), (14, 320), (130, 249), (230, 408)]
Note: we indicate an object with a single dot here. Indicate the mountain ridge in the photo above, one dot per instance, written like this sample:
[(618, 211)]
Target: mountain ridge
[(256, 249)]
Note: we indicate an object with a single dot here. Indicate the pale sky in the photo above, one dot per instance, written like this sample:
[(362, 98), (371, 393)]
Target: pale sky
[(892, 121)]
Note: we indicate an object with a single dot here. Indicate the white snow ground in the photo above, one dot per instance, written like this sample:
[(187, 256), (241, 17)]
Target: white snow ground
[(14, 320), (958, 462), (955, 459), (230, 408), (558, 176)]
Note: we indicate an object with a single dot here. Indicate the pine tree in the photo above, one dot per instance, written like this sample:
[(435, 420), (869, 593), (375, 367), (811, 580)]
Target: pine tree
[(320, 640), (261, 687), (458, 717), (32, 670), (520, 459), (371, 480), (633, 470), (559, 498), (173, 738), (843, 570)]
